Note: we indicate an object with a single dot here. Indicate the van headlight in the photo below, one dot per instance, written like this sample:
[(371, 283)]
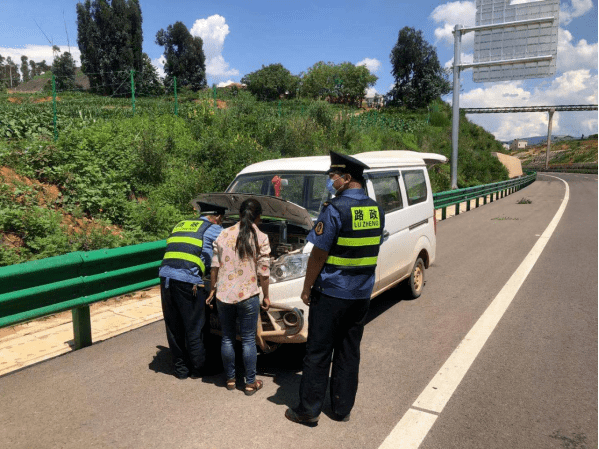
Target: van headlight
[(289, 266)]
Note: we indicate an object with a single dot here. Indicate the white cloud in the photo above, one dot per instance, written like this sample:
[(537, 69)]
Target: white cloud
[(38, 53), (158, 63), (451, 14), (213, 32), (227, 83), (573, 87), (370, 92), (577, 8), (465, 58), (574, 56), (371, 64)]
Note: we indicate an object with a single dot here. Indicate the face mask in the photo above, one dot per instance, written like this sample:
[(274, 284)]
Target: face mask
[(330, 187)]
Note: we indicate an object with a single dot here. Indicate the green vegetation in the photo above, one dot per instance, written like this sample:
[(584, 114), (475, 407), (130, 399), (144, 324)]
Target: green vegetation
[(419, 77), (184, 56), (125, 178)]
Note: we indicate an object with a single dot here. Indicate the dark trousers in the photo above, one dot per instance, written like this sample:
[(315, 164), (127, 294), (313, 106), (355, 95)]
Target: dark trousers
[(335, 328), (184, 317)]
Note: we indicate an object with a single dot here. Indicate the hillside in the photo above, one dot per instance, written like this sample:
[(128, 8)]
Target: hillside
[(122, 176), (43, 83), (562, 152)]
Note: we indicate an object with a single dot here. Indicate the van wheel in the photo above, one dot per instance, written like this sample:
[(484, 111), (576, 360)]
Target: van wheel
[(416, 282)]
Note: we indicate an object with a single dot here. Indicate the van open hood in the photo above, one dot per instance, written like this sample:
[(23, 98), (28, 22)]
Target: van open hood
[(271, 206)]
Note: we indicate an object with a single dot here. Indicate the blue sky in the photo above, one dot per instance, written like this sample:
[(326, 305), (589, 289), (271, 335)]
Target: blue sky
[(239, 37)]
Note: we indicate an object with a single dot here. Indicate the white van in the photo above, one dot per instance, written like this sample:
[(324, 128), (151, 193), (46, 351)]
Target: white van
[(291, 192)]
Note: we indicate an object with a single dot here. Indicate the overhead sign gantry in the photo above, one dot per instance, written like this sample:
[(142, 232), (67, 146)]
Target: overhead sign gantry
[(510, 42)]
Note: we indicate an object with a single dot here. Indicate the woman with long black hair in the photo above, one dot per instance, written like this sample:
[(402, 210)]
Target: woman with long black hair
[(240, 261)]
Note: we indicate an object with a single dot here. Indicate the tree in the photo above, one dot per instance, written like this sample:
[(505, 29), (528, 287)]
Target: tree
[(110, 39), (419, 77), (63, 69), (271, 82), (337, 83), (147, 82), (33, 70), (42, 67), (184, 55), (10, 72), (25, 68)]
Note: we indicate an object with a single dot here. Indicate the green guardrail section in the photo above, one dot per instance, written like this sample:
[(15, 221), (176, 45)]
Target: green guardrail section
[(74, 281), (485, 193)]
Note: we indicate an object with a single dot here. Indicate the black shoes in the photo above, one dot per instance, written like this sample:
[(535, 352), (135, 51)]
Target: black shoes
[(341, 418), (291, 415)]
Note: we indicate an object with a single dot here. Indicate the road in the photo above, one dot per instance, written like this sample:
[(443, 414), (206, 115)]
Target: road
[(530, 383)]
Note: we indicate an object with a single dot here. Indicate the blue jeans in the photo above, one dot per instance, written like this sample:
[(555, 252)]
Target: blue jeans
[(247, 311)]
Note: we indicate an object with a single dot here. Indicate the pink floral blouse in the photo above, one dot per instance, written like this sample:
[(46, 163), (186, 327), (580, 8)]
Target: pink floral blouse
[(237, 279)]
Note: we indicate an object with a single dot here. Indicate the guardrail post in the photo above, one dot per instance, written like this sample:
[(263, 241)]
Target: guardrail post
[(457, 209), (477, 203), (467, 205), (443, 213), (82, 327)]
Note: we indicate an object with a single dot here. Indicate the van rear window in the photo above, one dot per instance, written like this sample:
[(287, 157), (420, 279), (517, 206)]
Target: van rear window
[(387, 194), (415, 184)]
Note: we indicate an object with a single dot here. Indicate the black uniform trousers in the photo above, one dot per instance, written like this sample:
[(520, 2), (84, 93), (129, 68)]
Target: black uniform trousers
[(184, 316), (335, 328)]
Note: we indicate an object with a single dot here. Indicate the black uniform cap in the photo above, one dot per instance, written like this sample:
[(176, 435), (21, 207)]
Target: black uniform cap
[(346, 164), (210, 209)]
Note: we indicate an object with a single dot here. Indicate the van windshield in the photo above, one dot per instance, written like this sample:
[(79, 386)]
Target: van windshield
[(304, 189)]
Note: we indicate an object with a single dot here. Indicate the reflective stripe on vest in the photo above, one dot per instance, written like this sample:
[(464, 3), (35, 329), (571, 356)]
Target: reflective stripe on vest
[(187, 257), (359, 239), (189, 240), (184, 246), (345, 261)]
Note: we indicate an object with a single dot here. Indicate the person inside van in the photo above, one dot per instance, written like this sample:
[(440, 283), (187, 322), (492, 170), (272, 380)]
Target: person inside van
[(339, 281)]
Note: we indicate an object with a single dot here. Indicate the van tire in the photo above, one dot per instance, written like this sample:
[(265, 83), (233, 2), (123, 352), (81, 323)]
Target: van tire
[(415, 283)]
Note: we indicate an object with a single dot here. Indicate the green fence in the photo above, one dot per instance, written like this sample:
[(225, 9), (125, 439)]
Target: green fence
[(74, 281)]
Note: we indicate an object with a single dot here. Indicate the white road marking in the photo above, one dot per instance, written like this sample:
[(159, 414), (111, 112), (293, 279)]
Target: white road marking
[(411, 430)]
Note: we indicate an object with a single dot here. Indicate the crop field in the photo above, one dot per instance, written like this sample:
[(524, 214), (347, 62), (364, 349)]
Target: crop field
[(124, 171)]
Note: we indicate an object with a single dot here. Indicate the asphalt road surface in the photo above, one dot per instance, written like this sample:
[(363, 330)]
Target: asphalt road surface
[(500, 351)]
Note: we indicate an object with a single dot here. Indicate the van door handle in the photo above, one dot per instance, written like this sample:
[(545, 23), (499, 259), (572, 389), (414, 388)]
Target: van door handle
[(385, 235)]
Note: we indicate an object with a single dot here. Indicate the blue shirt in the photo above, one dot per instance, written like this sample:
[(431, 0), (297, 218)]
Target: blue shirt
[(332, 280), (193, 276)]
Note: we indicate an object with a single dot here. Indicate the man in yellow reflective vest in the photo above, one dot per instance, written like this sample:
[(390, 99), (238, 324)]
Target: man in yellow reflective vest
[(186, 260), (339, 281)]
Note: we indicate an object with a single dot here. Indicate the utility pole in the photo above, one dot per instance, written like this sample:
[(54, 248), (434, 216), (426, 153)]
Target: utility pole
[(551, 111), (10, 71), (455, 127)]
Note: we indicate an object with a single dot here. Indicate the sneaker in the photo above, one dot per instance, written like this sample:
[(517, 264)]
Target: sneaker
[(291, 415)]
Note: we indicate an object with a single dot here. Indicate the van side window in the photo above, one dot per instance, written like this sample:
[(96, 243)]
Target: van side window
[(415, 183), (387, 194)]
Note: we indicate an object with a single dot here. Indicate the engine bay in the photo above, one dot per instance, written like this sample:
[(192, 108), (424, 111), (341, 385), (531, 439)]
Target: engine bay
[(284, 237)]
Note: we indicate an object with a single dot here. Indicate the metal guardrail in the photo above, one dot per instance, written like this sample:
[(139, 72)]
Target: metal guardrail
[(74, 281), (443, 200)]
